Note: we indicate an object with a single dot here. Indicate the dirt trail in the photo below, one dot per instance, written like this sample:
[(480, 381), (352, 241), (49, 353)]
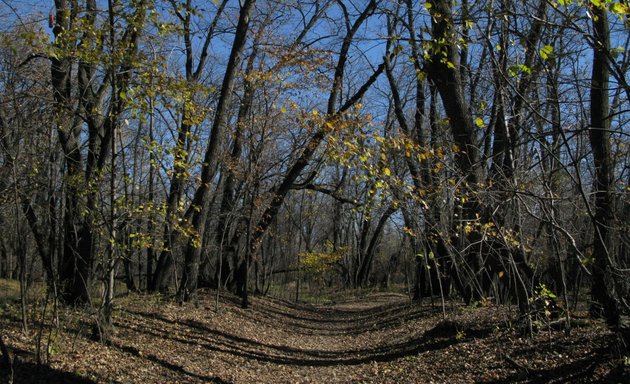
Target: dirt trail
[(380, 338), (276, 341)]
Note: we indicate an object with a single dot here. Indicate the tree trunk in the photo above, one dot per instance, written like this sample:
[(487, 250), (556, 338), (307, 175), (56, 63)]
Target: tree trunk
[(201, 199), (228, 193), (164, 269), (368, 253), (89, 106), (444, 71), (608, 290)]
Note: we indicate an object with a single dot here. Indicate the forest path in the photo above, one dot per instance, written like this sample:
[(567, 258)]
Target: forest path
[(279, 341), (375, 338)]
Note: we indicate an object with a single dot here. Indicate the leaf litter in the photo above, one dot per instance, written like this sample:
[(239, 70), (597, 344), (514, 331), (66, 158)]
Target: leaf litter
[(376, 338)]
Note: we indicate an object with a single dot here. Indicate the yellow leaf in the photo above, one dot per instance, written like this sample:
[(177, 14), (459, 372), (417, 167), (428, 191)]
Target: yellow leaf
[(620, 9), (479, 122), (386, 171), (501, 273)]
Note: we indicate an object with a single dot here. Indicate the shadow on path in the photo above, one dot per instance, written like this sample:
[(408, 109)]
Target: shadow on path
[(223, 342), (317, 336), (168, 365), (580, 371), (330, 322), (27, 372)]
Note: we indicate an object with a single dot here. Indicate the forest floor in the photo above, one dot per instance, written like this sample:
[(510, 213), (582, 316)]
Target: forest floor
[(373, 338)]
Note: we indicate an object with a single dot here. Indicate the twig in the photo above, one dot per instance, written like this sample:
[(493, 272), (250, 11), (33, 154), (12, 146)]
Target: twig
[(515, 364)]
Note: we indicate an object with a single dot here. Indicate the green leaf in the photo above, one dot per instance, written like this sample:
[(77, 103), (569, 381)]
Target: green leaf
[(546, 51), (514, 70)]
